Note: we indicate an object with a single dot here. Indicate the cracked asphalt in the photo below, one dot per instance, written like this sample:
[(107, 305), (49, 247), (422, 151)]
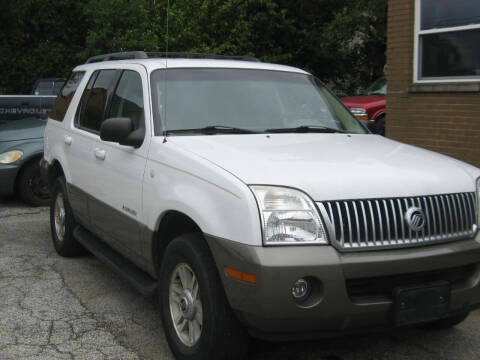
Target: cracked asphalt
[(56, 308)]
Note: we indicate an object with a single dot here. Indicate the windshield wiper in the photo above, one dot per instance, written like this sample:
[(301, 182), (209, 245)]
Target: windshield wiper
[(306, 129), (212, 130)]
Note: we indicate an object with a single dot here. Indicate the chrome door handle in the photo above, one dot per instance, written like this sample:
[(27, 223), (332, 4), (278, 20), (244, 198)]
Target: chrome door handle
[(100, 154), (68, 139)]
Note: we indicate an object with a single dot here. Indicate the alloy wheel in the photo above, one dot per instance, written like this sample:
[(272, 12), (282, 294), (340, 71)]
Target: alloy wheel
[(60, 217), (185, 304)]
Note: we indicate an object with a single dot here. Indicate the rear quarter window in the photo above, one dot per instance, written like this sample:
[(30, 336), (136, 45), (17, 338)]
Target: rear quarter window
[(65, 96)]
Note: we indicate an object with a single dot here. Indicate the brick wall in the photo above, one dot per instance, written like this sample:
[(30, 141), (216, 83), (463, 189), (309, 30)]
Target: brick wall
[(447, 122)]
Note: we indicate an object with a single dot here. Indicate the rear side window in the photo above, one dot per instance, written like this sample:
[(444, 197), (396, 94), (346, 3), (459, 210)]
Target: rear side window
[(65, 96), (85, 96), (94, 100), (44, 87), (57, 86), (128, 98)]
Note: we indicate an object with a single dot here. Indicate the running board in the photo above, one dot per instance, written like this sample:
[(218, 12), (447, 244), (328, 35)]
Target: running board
[(137, 278)]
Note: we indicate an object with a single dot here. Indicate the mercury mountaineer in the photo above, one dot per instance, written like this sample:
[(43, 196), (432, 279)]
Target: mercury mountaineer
[(252, 202)]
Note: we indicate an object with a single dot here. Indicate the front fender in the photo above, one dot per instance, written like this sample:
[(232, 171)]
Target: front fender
[(218, 202)]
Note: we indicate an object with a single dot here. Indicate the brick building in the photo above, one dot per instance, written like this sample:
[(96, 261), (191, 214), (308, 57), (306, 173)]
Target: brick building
[(433, 73)]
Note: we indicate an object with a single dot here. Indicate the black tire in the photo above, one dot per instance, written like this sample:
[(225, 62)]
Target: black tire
[(31, 187), (448, 322), (68, 246), (380, 125), (222, 336)]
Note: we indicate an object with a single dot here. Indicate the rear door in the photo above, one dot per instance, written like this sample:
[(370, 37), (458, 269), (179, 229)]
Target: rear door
[(83, 138), (59, 139), (116, 189)]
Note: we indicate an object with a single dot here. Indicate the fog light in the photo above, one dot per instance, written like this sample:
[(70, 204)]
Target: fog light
[(301, 290)]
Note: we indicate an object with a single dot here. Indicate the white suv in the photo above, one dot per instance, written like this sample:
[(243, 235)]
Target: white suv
[(251, 201)]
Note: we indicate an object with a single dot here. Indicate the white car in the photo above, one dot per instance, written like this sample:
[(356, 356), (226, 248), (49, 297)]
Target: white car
[(252, 202)]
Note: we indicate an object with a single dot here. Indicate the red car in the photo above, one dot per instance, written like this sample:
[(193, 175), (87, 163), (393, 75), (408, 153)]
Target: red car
[(371, 106)]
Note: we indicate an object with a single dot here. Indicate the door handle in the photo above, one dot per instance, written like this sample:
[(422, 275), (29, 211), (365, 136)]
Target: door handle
[(68, 139), (100, 154)]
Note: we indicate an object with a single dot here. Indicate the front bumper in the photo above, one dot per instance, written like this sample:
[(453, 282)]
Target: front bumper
[(269, 311), (8, 175)]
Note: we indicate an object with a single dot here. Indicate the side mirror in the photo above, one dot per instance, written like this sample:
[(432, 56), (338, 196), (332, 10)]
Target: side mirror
[(121, 130)]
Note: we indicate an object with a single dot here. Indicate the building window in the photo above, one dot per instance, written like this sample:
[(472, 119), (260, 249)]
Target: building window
[(447, 35)]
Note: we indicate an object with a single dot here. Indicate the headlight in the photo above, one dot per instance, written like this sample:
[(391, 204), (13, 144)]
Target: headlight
[(10, 156), (288, 217), (478, 201), (360, 113)]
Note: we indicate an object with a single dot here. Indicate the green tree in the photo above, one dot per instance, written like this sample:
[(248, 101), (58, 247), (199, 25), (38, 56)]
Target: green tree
[(343, 42), (340, 41), (38, 38)]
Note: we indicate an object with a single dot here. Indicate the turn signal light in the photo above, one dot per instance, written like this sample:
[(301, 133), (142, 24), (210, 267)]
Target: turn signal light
[(362, 117), (240, 275)]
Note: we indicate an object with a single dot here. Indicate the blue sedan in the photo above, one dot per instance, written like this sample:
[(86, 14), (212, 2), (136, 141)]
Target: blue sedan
[(21, 148)]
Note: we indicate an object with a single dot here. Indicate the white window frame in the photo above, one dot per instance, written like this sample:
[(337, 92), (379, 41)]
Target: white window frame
[(418, 32)]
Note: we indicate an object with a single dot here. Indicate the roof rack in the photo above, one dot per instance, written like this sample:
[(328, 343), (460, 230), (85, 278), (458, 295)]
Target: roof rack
[(161, 55), (118, 56)]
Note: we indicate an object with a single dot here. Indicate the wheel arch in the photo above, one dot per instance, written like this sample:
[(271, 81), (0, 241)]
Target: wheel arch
[(379, 115), (171, 224), (55, 169)]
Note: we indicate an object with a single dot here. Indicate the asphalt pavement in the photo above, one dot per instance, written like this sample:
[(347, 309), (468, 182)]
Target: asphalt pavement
[(56, 308)]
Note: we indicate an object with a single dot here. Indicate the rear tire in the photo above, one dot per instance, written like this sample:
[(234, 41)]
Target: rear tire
[(30, 186), (62, 222), (217, 334)]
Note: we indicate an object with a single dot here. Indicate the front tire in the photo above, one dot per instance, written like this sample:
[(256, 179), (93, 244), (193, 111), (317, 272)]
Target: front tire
[(196, 316), (380, 125), (62, 222), (30, 186)]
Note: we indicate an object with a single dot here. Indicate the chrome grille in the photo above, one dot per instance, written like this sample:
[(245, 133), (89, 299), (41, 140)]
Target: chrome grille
[(381, 223)]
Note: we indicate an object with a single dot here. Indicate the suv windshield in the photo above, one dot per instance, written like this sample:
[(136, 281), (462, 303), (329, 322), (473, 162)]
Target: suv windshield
[(379, 87), (249, 100)]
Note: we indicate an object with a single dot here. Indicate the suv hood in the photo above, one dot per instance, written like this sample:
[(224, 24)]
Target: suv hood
[(334, 166), (14, 130)]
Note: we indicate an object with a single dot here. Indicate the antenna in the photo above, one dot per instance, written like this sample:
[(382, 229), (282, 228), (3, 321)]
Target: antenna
[(168, 10), (165, 80)]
